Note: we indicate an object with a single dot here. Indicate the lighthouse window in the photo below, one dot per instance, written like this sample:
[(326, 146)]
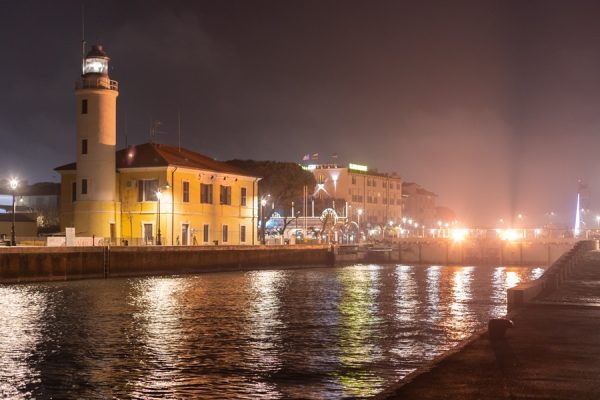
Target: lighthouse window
[(84, 186), (84, 146), (84, 106), (94, 65)]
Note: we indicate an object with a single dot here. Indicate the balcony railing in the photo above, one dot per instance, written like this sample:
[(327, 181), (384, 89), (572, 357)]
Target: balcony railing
[(97, 83)]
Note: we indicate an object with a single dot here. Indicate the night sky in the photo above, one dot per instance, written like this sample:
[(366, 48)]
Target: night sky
[(495, 106)]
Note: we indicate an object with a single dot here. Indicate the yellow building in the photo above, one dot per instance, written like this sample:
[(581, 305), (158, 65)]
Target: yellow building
[(150, 193)]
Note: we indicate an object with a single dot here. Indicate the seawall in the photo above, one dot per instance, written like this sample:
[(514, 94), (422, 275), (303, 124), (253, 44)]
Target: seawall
[(442, 251), (29, 264)]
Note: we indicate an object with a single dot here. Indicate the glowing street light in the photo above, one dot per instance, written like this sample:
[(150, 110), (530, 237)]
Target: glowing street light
[(598, 220), (14, 183), (159, 196)]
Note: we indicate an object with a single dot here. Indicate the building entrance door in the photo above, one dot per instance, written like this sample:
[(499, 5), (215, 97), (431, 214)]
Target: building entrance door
[(185, 233), (113, 233), (148, 238)]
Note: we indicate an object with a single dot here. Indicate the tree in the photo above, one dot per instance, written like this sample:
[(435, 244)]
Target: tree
[(281, 183)]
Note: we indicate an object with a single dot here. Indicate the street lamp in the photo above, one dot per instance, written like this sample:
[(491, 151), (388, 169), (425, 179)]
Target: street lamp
[(158, 197), (263, 203), (14, 182)]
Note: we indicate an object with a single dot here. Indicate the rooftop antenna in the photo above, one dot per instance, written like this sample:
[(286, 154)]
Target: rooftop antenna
[(82, 35)]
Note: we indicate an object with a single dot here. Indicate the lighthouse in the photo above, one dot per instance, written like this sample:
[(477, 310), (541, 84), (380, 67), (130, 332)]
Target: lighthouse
[(96, 202)]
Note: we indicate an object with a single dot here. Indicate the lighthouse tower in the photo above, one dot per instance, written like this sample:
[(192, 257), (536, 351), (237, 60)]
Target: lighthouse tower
[(96, 204)]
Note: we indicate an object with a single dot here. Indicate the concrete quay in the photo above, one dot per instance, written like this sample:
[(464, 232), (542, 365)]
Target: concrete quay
[(35, 264), (552, 352)]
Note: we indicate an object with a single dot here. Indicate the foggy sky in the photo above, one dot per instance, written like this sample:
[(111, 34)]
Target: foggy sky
[(495, 106)]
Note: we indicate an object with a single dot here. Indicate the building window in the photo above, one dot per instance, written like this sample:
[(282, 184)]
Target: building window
[(84, 149), (353, 179), (84, 186), (186, 192), (74, 191), (384, 184), (84, 106), (206, 193), (243, 234), (243, 197), (147, 189), (225, 195), (205, 233), (225, 233)]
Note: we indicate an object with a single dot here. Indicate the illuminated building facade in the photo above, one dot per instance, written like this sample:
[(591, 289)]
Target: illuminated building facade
[(150, 193), (371, 197)]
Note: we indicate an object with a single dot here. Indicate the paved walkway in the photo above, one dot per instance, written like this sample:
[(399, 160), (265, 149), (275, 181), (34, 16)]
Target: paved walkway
[(552, 353)]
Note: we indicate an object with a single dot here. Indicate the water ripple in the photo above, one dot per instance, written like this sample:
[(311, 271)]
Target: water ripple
[(277, 334)]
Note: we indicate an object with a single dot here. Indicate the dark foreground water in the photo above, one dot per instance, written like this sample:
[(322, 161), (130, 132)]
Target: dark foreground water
[(311, 333)]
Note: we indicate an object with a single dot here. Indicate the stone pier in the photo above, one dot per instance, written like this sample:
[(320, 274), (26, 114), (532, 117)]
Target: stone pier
[(551, 353)]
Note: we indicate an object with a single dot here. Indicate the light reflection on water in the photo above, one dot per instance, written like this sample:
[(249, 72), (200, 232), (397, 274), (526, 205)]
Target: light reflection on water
[(303, 333)]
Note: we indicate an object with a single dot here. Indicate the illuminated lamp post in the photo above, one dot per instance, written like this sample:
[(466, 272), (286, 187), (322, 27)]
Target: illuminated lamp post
[(263, 203), (158, 236), (13, 185)]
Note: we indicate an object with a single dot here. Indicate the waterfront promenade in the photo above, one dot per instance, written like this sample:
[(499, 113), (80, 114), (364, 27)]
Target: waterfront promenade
[(551, 353)]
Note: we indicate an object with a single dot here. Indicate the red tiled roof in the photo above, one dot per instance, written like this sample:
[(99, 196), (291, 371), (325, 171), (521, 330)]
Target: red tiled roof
[(162, 155)]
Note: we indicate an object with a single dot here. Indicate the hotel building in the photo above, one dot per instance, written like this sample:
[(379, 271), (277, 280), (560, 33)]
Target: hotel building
[(370, 197)]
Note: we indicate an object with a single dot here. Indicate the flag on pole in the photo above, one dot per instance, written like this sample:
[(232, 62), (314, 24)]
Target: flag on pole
[(306, 157), (315, 156)]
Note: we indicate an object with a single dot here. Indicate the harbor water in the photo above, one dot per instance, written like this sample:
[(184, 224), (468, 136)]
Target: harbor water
[(345, 332)]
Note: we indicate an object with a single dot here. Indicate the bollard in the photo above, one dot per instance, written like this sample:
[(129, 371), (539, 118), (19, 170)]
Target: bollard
[(497, 327)]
